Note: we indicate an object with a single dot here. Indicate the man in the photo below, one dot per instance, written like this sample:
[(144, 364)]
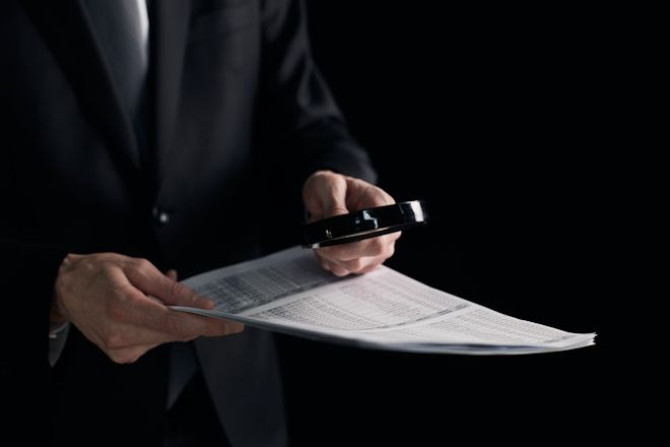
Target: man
[(125, 163)]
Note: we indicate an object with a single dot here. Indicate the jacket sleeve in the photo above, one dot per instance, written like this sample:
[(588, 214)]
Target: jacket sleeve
[(306, 122), (27, 275)]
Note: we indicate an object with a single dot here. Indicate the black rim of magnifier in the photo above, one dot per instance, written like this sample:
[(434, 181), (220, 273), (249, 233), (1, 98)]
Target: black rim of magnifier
[(364, 224)]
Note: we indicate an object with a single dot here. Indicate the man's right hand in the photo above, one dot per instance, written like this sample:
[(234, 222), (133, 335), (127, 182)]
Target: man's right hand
[(120, 304)]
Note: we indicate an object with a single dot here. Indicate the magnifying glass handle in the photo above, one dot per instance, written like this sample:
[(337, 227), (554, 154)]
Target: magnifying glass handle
[(364, 224)]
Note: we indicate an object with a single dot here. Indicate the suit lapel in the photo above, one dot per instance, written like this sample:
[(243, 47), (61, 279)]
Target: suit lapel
[(169, 21), (67, 31)]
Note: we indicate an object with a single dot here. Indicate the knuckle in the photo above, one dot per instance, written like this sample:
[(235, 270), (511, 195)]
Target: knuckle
[(389, 250), (378, 246), (101, 272), (125, 356), (339, 271), (325, 253), (117, 357), (355, 265), (180, 329), (142, 265), (114, 341), (178, 289)]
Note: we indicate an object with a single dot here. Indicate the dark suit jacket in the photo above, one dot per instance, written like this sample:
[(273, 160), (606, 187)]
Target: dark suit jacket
[(239, 116)]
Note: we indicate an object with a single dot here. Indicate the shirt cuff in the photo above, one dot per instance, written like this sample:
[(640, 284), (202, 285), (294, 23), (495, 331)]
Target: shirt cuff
[(57, 339)]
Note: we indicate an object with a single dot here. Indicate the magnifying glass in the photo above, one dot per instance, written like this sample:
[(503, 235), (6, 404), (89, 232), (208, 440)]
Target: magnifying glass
[(364, 224)]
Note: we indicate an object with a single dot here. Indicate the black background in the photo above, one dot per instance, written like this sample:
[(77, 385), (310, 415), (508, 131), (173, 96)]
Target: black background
[(507, 122)]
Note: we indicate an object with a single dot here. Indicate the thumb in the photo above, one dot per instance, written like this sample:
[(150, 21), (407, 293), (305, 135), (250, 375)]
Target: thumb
[(324, 195), (174, 293), (167, 290), (198, 301), (334, 206), (333, 195)]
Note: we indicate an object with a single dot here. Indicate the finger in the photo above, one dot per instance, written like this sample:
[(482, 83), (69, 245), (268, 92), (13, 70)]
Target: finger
[(332, 195), (356, 266), (325, 194), (175, 326), (172, 274), (202, 325), (337, 269), (127, 356), (155, 323), (219, 327), (375, 247)]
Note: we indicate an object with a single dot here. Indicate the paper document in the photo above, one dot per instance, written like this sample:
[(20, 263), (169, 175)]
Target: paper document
[(288, 292)]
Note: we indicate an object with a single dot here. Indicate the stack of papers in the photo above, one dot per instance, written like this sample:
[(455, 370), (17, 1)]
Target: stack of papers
[(288, 292)]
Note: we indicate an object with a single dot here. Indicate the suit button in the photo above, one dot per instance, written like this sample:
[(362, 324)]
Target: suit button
[(161, 217)]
